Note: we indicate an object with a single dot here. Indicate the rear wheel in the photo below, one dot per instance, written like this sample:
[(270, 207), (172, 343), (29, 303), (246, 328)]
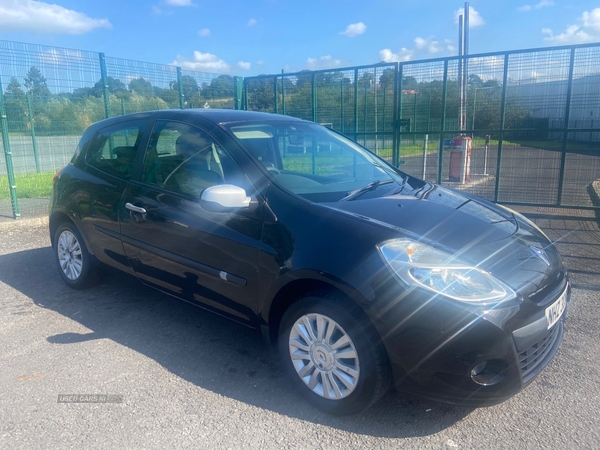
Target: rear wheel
[(74, 262), (333, 354)]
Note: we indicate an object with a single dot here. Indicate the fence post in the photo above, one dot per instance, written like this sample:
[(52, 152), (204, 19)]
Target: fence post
[(442, 124), (398, 73), (502, 117), (33, 137), (180, 89), (105, 85), (314, 97), (282, 92), (8, 157), (342, 106), (356, 104), (238, 89), (425, 145), (245, 95), (365, 115), (413, 127), (276, 95), (563, 156)]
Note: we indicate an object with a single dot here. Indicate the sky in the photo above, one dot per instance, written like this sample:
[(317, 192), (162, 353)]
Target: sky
[(251, 37)]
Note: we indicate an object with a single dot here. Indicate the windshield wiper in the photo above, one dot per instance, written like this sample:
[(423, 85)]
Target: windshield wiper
[(360, 191)]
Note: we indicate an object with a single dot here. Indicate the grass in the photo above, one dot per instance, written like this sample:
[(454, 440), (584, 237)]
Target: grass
[(34, 185)]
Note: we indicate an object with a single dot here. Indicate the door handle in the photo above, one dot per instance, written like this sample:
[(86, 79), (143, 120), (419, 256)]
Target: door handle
[(134, 208)]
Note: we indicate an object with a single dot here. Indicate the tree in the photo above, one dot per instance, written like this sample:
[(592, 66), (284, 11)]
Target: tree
[(261, 96), (16, 106), (189, 86), (115, 86), (13, 89), (35, 83), (141, 87), (387, 79), (219, 87)]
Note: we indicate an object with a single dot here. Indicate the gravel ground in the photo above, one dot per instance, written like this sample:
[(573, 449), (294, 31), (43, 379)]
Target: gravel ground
[(192, 379)]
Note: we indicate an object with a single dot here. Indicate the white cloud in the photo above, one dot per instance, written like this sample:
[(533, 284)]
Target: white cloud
[(244, 65), (540, 5), (260, 63), (204, 32), (202, 62), (354, 29), (586, 30), (591, 19), (387, 55), (178, 2), (475, 19), (252, 22), (572, 35), (64, 56), (430, 45), (324, 62), (39, 17)]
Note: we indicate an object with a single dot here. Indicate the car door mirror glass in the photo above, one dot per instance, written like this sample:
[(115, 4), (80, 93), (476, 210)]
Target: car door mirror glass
[(227, 196), (296, 139)]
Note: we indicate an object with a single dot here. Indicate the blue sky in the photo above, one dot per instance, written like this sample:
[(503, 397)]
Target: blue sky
[(265, 36)]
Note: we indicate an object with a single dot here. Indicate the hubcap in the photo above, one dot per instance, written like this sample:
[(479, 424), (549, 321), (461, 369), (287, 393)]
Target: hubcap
[(69, 255), (324, 356)]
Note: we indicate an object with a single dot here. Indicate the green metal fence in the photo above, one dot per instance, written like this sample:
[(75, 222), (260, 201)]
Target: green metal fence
[(50, 95), (533, 115)]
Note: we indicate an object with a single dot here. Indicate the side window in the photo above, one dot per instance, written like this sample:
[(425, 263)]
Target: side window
[(113, 149), (185, 159)]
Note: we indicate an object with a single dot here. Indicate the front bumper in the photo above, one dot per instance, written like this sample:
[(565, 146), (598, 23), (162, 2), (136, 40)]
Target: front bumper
[(447, 352)]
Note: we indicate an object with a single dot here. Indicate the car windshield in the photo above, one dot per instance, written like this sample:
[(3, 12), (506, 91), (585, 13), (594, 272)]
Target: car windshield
[(316, 162)]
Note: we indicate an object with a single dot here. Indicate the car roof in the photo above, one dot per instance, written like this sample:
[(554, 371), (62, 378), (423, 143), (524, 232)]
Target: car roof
[(225, 115), (217, 116)]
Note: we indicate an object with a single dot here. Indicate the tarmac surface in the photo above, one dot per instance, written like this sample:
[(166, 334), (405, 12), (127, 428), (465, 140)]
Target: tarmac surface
[(190, 379)]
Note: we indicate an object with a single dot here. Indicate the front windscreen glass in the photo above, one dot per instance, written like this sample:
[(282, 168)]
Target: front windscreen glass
[(316, 162)]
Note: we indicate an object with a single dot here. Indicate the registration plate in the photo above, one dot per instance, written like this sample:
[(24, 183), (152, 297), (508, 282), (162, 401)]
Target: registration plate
[(555, 310)]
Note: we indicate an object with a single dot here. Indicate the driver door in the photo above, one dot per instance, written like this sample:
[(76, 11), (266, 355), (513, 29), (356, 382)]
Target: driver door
[(173, 242)]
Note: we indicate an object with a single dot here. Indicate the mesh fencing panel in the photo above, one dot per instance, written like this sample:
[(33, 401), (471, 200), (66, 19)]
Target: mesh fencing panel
[(51, 95), (532, 116)]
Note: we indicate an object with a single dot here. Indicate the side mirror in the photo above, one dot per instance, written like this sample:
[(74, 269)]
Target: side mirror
[(226, 196), (296, 139)]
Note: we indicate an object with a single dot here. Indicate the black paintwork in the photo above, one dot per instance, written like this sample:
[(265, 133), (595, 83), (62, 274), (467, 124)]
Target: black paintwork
[(285, 244)]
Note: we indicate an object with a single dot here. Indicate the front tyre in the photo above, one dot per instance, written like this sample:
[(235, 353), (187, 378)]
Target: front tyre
[(333, 354), (72, 257)]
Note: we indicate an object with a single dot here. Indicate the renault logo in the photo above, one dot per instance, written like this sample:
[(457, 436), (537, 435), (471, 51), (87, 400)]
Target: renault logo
[(540, 254)]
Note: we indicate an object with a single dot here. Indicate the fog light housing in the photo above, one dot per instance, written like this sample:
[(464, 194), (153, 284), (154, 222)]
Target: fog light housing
[(489, 373)]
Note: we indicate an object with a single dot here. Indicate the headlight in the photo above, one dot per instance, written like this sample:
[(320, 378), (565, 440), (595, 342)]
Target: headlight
[(417, 264)]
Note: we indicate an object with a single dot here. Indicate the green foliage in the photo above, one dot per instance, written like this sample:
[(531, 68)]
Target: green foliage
[(35, 83), (72, 112), (141, 87), (219, 87), (33, 185)]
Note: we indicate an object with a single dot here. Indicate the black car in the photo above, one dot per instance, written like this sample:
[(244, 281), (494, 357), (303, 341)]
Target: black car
[(363, 275)]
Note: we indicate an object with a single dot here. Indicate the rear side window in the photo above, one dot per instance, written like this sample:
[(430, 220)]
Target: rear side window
[(113, 149)]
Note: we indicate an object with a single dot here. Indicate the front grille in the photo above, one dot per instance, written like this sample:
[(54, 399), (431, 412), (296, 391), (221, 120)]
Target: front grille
[(535, 358)]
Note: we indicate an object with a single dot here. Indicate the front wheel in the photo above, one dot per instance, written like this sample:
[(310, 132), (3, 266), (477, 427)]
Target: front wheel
[(72, 257), (333, 354)]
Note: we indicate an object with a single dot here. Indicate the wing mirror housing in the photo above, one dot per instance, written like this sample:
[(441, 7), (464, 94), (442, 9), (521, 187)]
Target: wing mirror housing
[(226, 196)]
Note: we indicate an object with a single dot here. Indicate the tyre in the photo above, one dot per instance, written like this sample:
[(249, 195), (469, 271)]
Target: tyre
[(75, 264), (333, 354)]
